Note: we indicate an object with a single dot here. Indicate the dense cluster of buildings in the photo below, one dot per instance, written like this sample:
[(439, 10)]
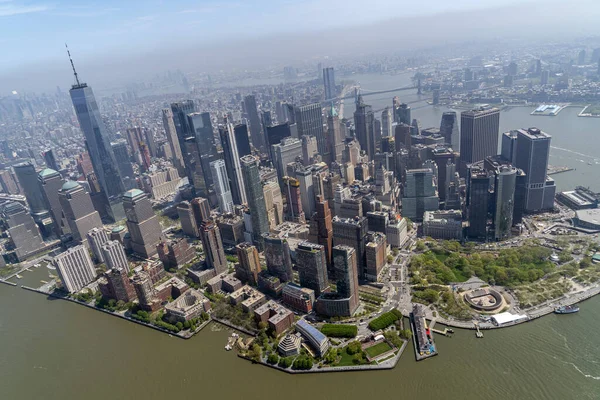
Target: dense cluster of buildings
[(283, 206)]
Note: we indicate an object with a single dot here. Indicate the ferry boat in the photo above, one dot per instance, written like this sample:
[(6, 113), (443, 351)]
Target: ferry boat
[(566, 309)]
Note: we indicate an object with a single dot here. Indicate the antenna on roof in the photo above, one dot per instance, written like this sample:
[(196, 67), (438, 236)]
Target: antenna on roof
[(72, 65)]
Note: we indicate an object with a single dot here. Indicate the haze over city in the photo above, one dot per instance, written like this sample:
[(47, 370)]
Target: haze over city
[(117, 42)]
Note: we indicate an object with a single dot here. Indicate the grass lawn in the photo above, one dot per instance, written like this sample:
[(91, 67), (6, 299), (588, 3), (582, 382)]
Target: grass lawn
[(345, 360), (378, 349)]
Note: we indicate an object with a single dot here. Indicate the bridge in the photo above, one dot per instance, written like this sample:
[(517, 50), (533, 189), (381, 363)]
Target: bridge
[(367, 92)]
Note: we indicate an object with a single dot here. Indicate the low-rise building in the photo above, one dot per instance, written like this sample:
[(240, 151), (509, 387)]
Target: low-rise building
[(248, 297), (270, 284), (186, 307), (201, 277), (317, 340), (172, 288), (290, 345), (115, 284), (278, 317), (225, 282), (175, 253), (446, 225), (161, 181), (298, 298)]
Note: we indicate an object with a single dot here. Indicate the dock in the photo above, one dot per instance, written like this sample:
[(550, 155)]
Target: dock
[(479, 334), (445, 332), (422, 337)]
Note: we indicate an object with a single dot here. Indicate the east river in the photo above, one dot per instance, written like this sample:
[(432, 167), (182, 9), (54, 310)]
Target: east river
[(52, 349)]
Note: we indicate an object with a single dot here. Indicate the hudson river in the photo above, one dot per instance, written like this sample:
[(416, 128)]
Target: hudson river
[(52, 349)]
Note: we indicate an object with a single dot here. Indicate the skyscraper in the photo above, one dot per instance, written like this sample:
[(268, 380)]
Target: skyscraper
[(509, 146), (232, 163), (256, 131), (289, 150), (335, 136), (249, 263), (98, 147), (142, 223), (28, 180), (364, 121), (124, 164), (113, 254), (171, 133), (321, 228), (201, 210), (504, 201), (214, 253), (193, 163), (307, 190), (278, 257), (387, 129), (51, 182), (242, 140), (221, 185), (309, 119), (186, 217), (312, 267), (256, 198), (420, 193), (403, 114), (346, 274), (329, 83), (449, 130), (478, 194), (75, 268), (352, 232), (79, 210), (22, 230), (533, 150), (201, 126), (273, 202), (50, 160), (97, 237), (479, 130), (294, 211)]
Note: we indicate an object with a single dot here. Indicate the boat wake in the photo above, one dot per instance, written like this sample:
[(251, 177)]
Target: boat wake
[(572, 152), (589, 376), (564, 338), (596, 378)]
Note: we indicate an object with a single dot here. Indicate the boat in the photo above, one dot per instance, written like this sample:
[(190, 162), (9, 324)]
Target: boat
[(566, 309)]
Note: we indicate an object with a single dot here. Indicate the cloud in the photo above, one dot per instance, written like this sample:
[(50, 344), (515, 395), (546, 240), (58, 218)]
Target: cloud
[(82, 12), (9, 8)]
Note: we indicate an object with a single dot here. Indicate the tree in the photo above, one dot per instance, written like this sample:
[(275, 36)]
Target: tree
[(353, 347), (420, 245), (285, 362), (273, 359)]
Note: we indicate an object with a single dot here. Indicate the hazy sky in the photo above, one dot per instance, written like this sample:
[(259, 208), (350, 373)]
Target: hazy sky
[(120, 36), (32, 30)]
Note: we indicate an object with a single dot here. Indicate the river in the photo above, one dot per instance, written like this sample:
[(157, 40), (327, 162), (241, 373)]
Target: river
[(53, 349)]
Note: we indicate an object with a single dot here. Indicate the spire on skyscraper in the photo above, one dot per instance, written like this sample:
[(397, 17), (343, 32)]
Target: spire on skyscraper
[(73, 66)]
